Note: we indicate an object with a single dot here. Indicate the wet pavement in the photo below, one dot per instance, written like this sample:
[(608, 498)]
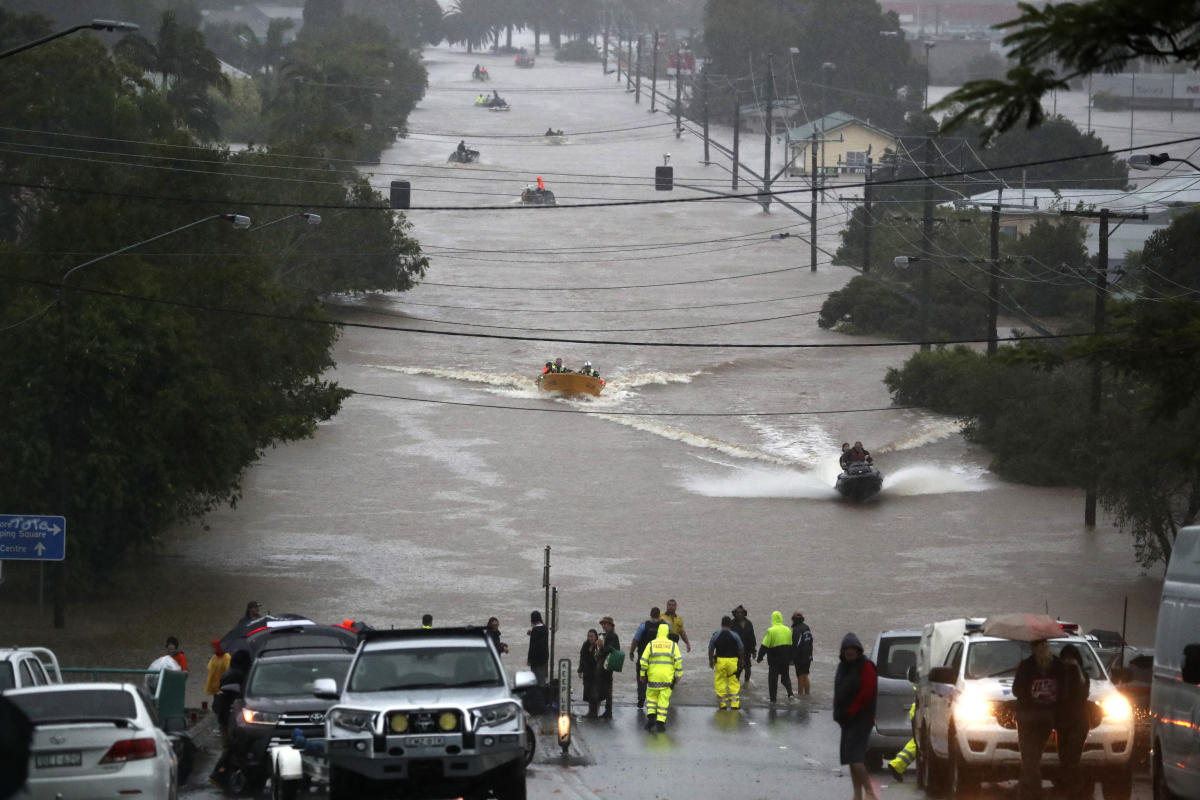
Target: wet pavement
[(759, 753)]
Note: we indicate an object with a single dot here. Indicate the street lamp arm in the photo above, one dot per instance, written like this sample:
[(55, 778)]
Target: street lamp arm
[(307, 216), (238, 221), (96, 25)]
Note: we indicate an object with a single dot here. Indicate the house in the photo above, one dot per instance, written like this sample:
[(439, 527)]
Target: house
[(786, 112), (844, 143)]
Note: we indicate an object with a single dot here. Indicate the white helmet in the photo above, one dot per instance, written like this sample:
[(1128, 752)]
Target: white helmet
[(587, 363)]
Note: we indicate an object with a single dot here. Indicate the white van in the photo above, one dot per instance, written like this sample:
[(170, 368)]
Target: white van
[(1175, 687)]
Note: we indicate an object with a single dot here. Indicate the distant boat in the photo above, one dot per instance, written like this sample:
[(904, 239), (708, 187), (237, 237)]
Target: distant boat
[(859, 482), (570, 383)]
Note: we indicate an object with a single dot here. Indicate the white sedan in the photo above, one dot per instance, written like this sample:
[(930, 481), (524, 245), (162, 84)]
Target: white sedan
[(94, 741)]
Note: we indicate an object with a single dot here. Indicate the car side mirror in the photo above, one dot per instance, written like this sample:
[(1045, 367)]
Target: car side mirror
[(325, 689), (1191, 664), (232, 688), (913, 675), (943, 675), (524, 679)]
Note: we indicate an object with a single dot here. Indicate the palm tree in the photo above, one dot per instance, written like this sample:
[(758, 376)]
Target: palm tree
[(187, 69)]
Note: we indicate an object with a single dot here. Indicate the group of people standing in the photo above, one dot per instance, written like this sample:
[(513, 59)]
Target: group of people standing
[(655, 651)]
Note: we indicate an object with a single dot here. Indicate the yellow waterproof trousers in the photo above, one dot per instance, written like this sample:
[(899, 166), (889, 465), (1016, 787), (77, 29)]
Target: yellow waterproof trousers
[(726, 683), (658, 698)]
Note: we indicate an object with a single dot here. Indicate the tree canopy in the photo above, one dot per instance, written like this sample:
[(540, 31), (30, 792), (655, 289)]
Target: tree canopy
[(1057, 43), (160, 374)]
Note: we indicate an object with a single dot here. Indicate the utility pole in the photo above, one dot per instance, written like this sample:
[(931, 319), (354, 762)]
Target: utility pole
[(994, 278), (927, 249), (1098, 322), (629, 65), (604, 48), (812, 214), (770, 92), (654, 74), (869, 221), (737, 133), (679, 97), (704, 93), (637, 79), (546, 582)]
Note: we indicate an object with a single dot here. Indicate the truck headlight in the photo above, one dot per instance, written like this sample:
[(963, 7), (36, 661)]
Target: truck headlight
[(498, 714), (1116, 707), (972, 707), (352, 719), (252, 717)]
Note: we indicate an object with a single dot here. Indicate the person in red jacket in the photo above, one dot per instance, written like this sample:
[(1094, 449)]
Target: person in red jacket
[(854, 691), (174, 652)]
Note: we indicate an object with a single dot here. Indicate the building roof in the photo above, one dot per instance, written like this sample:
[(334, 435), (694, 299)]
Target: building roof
[(830, 123), (1157, 198)]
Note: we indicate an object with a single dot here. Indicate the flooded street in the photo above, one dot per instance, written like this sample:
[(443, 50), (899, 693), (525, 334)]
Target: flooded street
[(704, 472)]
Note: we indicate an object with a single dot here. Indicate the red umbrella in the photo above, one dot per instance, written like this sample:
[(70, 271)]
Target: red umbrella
[(1022, 627)]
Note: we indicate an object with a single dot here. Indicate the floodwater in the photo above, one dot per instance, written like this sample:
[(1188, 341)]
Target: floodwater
[(703, 473)]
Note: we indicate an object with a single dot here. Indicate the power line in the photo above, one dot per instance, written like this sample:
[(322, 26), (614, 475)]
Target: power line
[(506, 337)]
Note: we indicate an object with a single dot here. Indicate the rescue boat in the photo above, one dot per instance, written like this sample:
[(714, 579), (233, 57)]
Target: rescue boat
[(859, 482), (570, 383)]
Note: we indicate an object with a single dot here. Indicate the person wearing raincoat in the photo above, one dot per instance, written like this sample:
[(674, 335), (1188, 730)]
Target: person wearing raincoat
[(659, 668), (780, 653)]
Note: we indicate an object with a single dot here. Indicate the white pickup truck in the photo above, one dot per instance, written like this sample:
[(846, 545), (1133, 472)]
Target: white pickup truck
[(21, 667), (966, 729)]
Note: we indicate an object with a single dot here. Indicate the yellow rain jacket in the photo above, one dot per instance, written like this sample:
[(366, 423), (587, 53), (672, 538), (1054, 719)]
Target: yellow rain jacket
[(661, 662)]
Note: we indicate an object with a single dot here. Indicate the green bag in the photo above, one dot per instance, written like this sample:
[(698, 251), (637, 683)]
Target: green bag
[(614, 661)]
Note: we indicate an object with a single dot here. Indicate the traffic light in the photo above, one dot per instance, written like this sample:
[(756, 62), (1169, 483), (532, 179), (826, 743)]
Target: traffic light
[(401, 193), (664, 178)]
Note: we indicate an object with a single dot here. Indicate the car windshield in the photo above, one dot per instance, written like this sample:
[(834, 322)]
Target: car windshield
[(425, 668), (999, 659), (285, 678), (76, 705)]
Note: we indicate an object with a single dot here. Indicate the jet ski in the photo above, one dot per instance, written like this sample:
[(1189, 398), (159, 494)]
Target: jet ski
[(533, 195), (859, 481), (467, 156)]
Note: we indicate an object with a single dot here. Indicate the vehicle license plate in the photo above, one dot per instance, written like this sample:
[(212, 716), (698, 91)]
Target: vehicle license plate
[(70, 758), (425, 741)]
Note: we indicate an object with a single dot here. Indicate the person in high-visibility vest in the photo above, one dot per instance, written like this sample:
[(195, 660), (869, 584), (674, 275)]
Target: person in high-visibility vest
[(725, 652), (659, 668), (907, 753)]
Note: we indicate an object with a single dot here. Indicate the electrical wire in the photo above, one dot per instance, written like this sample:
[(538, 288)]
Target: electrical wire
[(508, 337)]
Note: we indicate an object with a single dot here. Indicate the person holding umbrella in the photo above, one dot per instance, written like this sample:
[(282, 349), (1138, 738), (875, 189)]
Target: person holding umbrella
[(1037, 685)]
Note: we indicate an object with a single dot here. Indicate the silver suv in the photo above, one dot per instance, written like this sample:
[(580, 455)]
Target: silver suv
[(894, 653), (426, 713), (966, 728)]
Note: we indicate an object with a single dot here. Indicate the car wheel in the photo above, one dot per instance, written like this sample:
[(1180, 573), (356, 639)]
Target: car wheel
[(511, 783), (1117, 785), (933, 776), (962, 781), (343, 784), (282, 789), (530, 744), (1158, 780), (236, 781)]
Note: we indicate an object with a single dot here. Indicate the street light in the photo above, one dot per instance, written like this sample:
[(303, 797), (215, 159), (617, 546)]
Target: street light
[(1144, 161), (95, 25), (239, 222)]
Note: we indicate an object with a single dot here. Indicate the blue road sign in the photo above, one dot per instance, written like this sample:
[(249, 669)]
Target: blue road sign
[(33, 537)]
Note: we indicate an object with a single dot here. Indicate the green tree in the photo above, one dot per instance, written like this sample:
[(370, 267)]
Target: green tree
[(1054, 45), (178, 364), (186, 70)]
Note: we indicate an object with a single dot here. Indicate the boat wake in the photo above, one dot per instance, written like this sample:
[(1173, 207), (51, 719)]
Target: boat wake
[(779, 483), (618, 389), (927, 479), (817, 484)]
